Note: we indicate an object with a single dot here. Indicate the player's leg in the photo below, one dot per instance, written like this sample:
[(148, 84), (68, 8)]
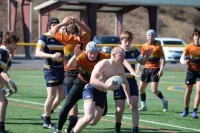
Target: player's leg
[(196, 100), (74, 95), (3, 106), (120, 106), (98, 114), (59, 98), (51, 94), (89, 114), (135, 113), (73, 114), (142, 88), (154, 89)]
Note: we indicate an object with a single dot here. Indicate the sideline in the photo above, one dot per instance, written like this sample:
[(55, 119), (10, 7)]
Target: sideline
[(152, 122)]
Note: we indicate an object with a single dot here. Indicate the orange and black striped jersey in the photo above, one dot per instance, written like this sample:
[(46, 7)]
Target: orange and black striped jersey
[(154, 58), (86, 66), (69, 42), (193, 52)]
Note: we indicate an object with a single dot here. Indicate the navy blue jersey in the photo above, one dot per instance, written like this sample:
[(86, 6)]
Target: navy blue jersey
[(4, 56), (50, 45), (132, 56)]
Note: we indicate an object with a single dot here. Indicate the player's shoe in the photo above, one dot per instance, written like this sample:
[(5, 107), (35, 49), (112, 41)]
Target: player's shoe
[(165, 106), (10, 92), (194, 115), (49, 126), (57, 131), (185, 113), (143, 109)]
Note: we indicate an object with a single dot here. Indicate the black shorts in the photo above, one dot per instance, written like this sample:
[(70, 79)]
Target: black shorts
[(119, 93), (150, 75), (90, 93), (53, 75), (192, 77), (69, 77)]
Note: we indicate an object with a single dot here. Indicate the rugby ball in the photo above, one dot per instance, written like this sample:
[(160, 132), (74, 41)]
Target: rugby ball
[(116, 80)]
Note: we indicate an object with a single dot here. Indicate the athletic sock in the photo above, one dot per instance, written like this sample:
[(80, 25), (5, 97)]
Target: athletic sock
[(2, 126), (47, 119), (135, 129), (143, 99), (194, 109), (72, 122), (187, 109), (117, 127), (160, 95)]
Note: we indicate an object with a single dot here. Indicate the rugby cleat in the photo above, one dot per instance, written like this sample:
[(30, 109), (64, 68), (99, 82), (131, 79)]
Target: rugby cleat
[(165, 106), (49, 126), (143, 109), (185, 113), (194, 115)]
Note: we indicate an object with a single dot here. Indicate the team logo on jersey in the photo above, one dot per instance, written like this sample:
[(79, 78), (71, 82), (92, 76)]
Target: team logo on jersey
[(132, 54)]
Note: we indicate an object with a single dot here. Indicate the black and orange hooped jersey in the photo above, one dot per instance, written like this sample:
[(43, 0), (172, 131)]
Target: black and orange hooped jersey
[(50, 45), (154, 58), (69, 42), (193, 52), (86, 66)]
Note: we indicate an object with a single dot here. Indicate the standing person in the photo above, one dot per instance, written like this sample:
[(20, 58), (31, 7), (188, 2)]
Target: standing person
[(132, 55), (191, 58), (94, 94), (85, 62), (9, 42), (51, 51), (75, 33), (5, 79), (152, 71)]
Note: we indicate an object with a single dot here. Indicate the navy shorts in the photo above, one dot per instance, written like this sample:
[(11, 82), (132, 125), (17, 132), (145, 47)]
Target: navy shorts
[(53, 75), (150, 75), (119, 93), (90, 93), (69, 77), (192, 77)]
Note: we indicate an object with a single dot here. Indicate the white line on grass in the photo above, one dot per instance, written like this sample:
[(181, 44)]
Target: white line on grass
[(152, 122)]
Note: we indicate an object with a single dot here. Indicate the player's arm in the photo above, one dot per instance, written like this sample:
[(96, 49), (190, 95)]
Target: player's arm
[(55, 28), (184, 57), (129, 68), (7, 78), (83, 27), (41, 54), (126, 88), (73, 61)]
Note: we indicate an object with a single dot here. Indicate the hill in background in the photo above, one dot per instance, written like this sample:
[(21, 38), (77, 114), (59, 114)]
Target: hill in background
[(173, 21)]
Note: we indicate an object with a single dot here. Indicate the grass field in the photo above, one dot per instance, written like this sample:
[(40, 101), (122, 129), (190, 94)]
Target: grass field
[(25, 107)]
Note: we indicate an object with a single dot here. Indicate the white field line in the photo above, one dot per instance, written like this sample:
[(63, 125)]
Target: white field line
[(152, 122)]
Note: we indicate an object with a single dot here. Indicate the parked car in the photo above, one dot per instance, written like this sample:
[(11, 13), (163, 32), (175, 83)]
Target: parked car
[(173, 48), (106, 39)]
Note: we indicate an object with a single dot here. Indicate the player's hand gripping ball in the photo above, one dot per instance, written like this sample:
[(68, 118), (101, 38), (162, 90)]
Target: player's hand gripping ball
[(116, 82)]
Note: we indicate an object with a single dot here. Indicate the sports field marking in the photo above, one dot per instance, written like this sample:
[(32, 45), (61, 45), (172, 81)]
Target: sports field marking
[(152, 122)]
